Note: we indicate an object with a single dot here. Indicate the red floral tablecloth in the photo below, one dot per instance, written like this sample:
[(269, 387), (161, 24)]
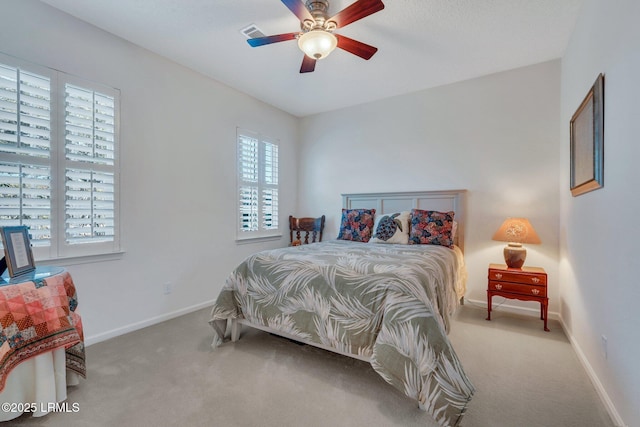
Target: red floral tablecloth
[(37, 317)]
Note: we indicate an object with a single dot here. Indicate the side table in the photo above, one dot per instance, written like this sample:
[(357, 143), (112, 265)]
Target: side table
[(525, 284)]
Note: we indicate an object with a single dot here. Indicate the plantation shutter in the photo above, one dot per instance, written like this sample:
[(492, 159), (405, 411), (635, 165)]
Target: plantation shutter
[(248, 179), (257, 186), (25, 145), (270, 187), (25, 112), (58, 160), (89, 166)]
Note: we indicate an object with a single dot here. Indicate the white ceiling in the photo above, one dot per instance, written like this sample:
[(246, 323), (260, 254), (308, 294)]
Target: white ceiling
[(422, 44)]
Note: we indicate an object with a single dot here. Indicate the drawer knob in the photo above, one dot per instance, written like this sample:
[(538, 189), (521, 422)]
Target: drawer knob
[(498, 286), (535, 280), (535, 291), (498, 275)]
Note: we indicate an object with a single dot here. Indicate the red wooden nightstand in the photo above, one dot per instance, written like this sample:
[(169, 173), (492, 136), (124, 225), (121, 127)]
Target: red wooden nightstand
[(525, 284)]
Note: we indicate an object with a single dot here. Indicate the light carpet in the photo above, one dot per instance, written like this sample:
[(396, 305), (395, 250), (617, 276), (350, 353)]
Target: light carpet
[(168, 375)]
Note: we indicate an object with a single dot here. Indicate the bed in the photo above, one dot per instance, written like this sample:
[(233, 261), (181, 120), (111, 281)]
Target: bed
[(386, 302)]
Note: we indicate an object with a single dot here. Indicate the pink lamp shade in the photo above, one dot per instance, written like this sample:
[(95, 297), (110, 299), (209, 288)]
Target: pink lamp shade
[(516, 231)]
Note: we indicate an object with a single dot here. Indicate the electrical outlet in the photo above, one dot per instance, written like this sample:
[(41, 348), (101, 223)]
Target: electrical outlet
[(167, 288), (603, 339)]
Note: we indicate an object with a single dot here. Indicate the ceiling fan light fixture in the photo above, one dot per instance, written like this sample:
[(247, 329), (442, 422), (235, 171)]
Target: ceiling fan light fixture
[(317, 44)]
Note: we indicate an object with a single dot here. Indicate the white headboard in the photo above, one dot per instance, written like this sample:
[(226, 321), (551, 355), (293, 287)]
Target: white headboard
[(442, 200)]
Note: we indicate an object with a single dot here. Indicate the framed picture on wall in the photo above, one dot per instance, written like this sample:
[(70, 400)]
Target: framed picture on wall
[(17, 250), (587, 141)]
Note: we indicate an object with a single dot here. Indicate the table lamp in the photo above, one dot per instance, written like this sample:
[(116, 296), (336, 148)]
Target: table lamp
[(516, 231)]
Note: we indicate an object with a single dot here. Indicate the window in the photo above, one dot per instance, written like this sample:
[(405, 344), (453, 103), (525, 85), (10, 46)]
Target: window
[(58, 160), (257, 186)]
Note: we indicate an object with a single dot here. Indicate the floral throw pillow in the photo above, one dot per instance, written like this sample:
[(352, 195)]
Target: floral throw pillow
[(431, 228), (356, 225), (392, 228)]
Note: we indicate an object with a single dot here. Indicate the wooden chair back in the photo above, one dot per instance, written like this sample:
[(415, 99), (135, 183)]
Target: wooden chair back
[(309, 227)]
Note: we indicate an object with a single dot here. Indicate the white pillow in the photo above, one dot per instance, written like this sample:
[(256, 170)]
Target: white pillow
[(392, 228)]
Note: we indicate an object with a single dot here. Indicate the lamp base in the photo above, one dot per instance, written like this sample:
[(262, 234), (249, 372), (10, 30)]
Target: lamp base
[(514, 255)]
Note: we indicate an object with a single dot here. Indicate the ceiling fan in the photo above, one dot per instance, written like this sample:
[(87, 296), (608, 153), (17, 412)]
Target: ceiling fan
[(316, 38)]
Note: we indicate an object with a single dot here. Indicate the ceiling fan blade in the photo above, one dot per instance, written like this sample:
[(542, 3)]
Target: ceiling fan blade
[(360, 49), (308, 65), (299, 9), (261, 41), (358, 10)]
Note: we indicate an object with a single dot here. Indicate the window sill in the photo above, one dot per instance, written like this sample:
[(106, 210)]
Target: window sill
[(258, 239), (81, 259)]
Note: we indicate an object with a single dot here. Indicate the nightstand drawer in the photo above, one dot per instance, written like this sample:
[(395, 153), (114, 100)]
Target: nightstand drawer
[(518, 277), (538, 291), (524, 284)]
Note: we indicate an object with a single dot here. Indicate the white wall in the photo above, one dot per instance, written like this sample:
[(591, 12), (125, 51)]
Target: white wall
[(178, 156), (600, 287), (496, 136)]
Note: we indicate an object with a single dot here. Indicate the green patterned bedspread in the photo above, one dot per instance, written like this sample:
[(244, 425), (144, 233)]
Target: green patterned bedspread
[(391, 303)]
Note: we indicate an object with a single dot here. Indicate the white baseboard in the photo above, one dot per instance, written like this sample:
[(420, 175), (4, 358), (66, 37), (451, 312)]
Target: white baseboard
[(604, 396), (94, 339), (602, 393)]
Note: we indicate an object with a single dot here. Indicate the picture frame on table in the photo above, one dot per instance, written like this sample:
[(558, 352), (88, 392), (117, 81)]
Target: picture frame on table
[(587, 142), (17, 250)]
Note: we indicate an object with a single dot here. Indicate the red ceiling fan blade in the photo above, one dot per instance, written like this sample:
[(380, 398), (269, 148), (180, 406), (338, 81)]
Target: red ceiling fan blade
[(358, 10), (261, 41), (308, 65), (299, 9), (360, 49)]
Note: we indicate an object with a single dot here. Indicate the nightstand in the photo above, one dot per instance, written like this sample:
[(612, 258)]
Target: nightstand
[(525, 284)]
